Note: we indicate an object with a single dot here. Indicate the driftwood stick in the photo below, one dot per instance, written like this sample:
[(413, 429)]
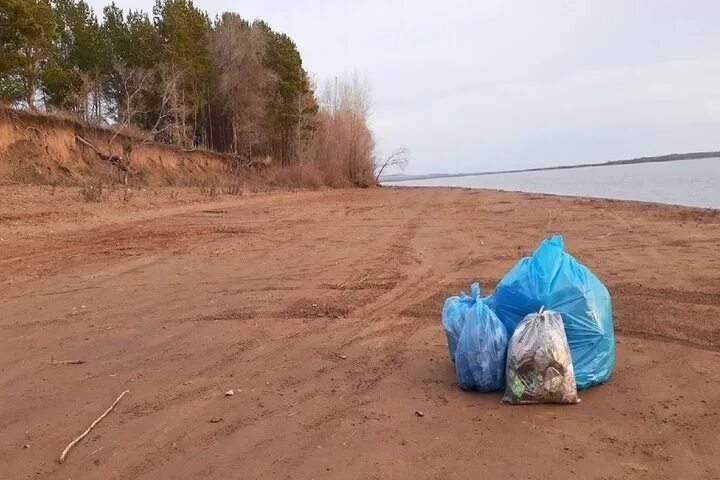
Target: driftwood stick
[(67, 362), (94, 452), (92, 425), (353, 283)]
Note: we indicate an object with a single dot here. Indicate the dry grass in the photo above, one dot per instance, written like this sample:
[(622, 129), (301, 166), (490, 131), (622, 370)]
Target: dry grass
[(93, 192), (235, 189), (209, 190), (296, 176), (213, 189)]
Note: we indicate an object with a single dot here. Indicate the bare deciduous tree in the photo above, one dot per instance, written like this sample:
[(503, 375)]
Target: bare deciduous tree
[(171, 111), (343, 141), (398, 159), (242, 79), (133, 82), (88, 99)]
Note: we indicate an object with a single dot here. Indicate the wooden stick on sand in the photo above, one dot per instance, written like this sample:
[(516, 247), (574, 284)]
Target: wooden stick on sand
[(66, 362), (353, 283), (92, 425)]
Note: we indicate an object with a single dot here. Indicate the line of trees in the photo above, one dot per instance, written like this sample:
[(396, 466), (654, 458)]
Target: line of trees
[(181, 78)]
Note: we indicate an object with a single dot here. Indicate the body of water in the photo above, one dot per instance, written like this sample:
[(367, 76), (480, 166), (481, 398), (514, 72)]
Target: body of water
[(694, 183)]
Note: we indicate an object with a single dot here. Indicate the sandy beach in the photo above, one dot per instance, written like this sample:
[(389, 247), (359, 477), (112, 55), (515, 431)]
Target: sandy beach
[(320, 310)]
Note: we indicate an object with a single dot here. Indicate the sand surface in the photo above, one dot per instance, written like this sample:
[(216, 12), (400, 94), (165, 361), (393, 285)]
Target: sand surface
[(321, 311)]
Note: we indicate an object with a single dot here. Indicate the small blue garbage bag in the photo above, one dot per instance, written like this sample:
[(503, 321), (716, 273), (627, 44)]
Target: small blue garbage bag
[(453, 316), (481, 349), (553, 279)]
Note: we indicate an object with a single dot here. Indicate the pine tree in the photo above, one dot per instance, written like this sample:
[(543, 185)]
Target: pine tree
[(27, 30), (291, 100), (72, 78)]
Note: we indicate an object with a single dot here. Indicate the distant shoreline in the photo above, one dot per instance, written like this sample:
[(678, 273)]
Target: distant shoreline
[(661, 158)]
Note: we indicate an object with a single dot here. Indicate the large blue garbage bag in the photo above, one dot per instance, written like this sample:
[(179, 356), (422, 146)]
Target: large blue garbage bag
[(453, 316), (553, 279), (481, 349)]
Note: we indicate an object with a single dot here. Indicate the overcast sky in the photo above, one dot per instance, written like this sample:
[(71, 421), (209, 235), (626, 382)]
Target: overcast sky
[(485, 85)]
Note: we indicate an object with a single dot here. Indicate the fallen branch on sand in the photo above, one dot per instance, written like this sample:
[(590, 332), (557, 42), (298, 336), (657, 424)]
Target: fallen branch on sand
[(94, 452), (92, 425), (116, 160), (66, 362), (358, 282)]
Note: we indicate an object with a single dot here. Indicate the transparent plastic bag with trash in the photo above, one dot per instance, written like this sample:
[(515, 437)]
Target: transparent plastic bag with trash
[(554, 279), (539, 367), (481, 349)]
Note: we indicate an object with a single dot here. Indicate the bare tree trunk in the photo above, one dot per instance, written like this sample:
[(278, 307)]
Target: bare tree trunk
[(211, 145), (125, 184), (30, 94), (98, 103), (183, 139)]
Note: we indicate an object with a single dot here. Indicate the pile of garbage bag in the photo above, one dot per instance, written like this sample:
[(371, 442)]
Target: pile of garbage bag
[(539, 368), (453, 316), (481, 348), (553, 279), (550, 279)]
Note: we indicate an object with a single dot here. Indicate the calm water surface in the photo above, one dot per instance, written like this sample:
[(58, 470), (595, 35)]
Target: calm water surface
[(694, 183)]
